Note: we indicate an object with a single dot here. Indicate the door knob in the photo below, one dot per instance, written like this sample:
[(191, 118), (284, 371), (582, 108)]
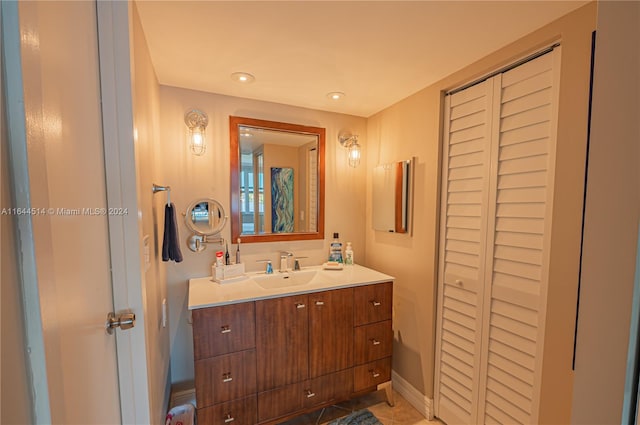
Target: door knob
[(124, 321)]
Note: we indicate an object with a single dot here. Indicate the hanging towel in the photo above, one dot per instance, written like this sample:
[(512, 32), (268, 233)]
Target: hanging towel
[(171, 240)]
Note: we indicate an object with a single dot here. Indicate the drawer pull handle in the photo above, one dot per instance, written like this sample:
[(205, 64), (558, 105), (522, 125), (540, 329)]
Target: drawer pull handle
[(319, 302), (374, 373), (375, 341), (376, 303), (310, 394), (300, 305), (226, 377), (229, 418), (225, 329)]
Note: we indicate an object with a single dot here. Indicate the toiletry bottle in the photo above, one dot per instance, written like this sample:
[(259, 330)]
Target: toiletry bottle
[(348, 255), (226, 255), (238, 252), (335, 250)]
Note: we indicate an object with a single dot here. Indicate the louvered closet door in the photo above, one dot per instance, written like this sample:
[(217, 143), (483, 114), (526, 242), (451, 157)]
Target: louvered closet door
[(498, 162), (517, 264), (462, 252)]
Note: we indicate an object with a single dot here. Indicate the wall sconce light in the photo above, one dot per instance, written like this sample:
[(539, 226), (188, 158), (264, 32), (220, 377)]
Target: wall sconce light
[(350, 141), (197, 122)]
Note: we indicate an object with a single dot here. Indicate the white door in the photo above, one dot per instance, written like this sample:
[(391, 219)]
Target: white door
[(463, 230), (496, 203), (80, 375)]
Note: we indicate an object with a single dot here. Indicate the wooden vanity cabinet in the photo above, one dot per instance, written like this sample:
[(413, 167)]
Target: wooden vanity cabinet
[(299, 353)]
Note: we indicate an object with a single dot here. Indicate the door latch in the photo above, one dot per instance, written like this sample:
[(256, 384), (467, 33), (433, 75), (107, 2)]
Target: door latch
[(124, 321)]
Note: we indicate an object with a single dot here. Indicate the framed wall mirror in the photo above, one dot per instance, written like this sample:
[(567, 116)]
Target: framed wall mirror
[(277, 181), (392, 196)]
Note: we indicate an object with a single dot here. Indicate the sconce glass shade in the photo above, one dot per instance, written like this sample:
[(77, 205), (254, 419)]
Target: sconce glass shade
[(350, 142), (196, 122), (354, 154)]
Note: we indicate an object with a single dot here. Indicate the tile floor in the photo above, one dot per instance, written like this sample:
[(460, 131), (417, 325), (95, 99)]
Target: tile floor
[(402, 413)]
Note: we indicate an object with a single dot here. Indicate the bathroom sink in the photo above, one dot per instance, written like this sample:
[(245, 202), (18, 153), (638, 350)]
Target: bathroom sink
[(283, 280)]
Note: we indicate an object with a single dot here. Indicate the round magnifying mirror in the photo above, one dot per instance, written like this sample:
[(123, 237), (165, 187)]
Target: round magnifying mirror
[(205, 217)]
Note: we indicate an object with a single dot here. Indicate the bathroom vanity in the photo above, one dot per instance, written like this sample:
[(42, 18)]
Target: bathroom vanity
[(271, 347)]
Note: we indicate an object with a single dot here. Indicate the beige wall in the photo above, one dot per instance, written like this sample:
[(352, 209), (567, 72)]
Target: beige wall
[(146, 113), (611, 219), (412, 128), (194, 177)]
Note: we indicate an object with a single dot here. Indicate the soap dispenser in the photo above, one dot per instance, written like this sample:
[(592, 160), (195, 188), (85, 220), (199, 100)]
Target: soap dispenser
[(348, 255)]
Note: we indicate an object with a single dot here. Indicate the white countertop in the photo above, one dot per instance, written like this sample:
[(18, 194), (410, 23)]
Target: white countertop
[(204, 292)]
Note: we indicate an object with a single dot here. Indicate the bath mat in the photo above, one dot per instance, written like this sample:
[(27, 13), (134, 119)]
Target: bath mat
[(361, 417)]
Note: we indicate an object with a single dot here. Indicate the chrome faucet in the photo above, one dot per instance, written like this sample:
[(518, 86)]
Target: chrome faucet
[(284, 261)]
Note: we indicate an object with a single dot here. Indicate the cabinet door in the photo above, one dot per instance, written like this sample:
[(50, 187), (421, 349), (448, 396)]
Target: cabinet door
[(282, 341), (331, 331), (225, 378), (373, 303), (222, 330)]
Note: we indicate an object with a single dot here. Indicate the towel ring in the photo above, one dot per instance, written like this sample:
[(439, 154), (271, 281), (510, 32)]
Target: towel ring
[(157, 188)]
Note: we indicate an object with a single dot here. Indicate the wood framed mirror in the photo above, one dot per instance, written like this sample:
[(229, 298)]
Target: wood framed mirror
[(277, 181)]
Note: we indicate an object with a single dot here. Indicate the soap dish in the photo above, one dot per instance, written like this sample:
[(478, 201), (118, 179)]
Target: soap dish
[(230, 279), (332, 265)]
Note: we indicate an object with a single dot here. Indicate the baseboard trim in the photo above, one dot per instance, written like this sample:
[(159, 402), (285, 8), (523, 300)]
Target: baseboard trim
[(421, 402)]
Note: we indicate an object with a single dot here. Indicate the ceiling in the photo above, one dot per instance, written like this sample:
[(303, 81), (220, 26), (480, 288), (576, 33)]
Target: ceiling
[(376, 52)]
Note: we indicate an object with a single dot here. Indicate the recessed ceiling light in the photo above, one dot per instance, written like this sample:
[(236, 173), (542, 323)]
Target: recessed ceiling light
[(242, 77), (336, 95)]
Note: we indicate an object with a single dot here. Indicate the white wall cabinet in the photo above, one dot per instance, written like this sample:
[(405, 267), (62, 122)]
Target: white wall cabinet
[(496, 204)]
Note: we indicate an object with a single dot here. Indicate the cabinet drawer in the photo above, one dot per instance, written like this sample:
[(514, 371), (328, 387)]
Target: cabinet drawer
[(334, 387), (371, 374), (236, 412), (280, 402), (373, 303), (225, 378), (222, 330), (292, 398), (373, 341)]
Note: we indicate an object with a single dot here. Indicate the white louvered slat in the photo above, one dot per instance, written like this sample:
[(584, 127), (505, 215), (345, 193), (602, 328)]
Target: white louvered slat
[(519, 372), (515, 398), (521, 387)]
